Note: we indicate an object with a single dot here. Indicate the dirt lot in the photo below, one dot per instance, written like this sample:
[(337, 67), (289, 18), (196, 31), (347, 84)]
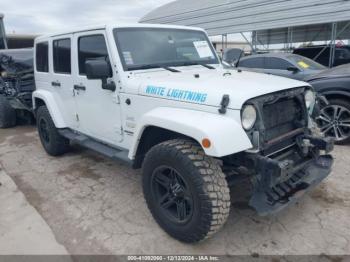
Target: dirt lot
[(95, 206)]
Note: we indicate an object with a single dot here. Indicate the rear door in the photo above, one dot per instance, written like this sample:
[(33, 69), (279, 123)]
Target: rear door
[(98, 110), (52, 74), (62, 78)]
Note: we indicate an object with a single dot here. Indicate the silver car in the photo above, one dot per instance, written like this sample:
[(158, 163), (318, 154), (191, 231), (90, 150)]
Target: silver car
[(281, 64)]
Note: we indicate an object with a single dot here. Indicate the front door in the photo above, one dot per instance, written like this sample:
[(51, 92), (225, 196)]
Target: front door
[(98, 110)]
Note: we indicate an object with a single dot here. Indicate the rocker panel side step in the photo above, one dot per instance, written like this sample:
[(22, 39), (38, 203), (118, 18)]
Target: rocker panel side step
[(90, 143)]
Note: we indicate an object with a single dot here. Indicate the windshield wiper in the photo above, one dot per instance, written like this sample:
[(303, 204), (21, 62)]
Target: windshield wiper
[(207, 66), (197, 63), (170, 69), (155, 66)]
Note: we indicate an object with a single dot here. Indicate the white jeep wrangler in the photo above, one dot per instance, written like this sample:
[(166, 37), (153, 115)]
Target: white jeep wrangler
[(158, 98)]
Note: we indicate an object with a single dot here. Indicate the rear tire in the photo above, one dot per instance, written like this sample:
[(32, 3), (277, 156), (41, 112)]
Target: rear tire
[(334, 120), (7, 113), (53, 143), (185, 190)]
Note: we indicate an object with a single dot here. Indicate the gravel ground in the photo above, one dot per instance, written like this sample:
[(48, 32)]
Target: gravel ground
[(95, 206)]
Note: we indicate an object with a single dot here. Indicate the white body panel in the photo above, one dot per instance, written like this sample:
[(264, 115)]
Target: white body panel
[(198, 125), (97, 109), (241, 86), (63, 93), (52, 105), (179, 102)]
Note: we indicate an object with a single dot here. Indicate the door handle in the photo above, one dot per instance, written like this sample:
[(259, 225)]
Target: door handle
[(79, 87), (56, 84)]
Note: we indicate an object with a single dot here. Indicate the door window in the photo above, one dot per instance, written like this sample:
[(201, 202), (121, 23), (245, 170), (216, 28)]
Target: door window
[(257, 62), (91, 47), (277, 63), (62, 56), (42, 57)]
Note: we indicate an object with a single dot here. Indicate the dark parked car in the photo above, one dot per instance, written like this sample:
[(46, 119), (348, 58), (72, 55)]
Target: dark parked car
[(281, 64), (334, 84), (342, 54), (16, 86)]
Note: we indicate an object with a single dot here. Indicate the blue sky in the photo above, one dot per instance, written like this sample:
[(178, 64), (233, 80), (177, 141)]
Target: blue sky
[(44, 16)]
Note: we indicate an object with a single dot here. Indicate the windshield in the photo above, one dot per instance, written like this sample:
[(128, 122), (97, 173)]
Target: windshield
[(306, 63), (143, 48)]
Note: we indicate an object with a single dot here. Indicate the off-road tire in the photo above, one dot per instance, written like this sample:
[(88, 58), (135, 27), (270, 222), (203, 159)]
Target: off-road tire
[(7, 114), (211, 196), (56, 144)]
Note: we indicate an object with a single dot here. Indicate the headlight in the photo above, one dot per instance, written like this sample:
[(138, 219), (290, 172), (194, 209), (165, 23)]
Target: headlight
[(310, 99), (248, 117)]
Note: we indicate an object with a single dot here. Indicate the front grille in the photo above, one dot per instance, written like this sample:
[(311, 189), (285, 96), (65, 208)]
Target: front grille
[(27, 85), (22, 85), (282, 117)]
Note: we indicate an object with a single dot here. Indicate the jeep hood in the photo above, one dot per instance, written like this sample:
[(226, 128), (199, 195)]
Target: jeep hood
[(207, 87)]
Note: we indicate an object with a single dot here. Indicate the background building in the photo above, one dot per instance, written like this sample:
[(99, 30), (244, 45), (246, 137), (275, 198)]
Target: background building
[(20, 41), (13, 41), (220, 46), (264, 24)]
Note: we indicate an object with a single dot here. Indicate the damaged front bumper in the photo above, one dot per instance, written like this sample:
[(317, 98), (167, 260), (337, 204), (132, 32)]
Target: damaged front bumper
[(282, 181)]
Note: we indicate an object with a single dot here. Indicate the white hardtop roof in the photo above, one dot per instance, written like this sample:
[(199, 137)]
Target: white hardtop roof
[(111, 26)]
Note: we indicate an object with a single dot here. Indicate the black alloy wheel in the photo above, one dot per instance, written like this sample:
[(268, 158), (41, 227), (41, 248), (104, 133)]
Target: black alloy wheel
[(44, 131), (172, 194)]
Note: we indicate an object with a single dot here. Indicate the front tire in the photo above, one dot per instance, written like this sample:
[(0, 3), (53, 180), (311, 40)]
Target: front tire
[(334, 120), (7, 113), (53, 143), (185, 190)]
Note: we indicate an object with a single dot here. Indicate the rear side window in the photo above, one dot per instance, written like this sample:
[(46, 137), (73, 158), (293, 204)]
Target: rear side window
[(257, 62), (277, 63), (42, 57), (310, 52), (62, 56), (91, 47), (342, 54)]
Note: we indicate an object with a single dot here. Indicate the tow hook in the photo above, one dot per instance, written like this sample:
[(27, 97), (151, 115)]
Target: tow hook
[(224, 104), (305, 145)]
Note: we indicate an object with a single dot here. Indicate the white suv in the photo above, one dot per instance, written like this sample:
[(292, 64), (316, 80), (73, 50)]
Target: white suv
[(158, 98)]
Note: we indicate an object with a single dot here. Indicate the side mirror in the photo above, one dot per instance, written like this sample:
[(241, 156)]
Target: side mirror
[(233, 56), (99, 69), (293, 69)]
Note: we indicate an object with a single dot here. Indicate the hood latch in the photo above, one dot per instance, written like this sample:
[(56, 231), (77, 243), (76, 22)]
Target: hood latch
[(224, 104)]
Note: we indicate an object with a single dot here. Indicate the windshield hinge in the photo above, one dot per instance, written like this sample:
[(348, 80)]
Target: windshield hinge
[(116, 99), (224, 104)]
